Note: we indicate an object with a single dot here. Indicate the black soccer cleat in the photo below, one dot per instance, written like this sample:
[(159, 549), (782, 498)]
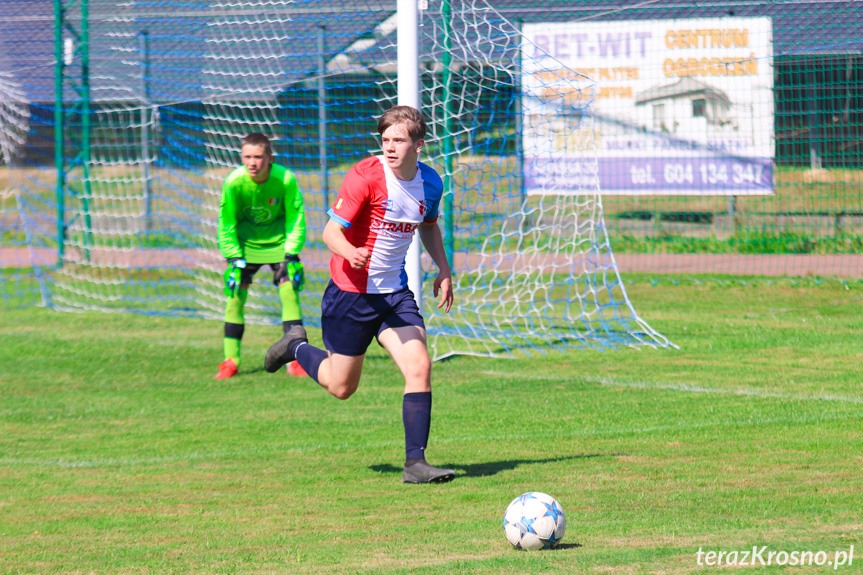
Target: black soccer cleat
[(419, 471), (282, 352)]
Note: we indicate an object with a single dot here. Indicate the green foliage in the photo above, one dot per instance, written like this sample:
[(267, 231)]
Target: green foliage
[(743, 242), (120, 454), (12, 237)]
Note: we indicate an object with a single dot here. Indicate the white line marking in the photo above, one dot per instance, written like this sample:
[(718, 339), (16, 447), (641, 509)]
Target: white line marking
[(681, 387)]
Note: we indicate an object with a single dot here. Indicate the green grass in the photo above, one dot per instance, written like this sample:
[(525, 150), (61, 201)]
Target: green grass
[(745, 242), (120, 454)]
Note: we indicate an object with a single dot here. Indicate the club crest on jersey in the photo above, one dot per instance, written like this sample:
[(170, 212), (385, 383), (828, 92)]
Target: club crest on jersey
[(273, 201), (258, 215), (423, 208), (387, 204)]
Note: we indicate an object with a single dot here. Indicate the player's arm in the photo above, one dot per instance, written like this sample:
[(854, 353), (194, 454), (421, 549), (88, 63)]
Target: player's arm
[(334, 237), (295, 216), (353, 197), (291, 269), (229, 243), (432, 240)]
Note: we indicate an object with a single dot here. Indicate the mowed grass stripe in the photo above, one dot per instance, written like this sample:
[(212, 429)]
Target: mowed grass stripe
[(532, 435), (684, 387)]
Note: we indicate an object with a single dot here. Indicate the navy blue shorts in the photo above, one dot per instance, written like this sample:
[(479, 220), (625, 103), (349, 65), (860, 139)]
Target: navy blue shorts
[(350, 321)]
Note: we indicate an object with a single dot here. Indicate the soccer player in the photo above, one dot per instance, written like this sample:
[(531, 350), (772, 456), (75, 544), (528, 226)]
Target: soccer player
[(261, 222), (382, 202)]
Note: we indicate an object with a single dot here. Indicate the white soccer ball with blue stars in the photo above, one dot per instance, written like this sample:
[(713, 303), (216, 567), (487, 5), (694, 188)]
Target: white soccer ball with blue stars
[(534, 521)]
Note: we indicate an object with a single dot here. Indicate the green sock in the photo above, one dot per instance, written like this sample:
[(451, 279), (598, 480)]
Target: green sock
[(290, 302), (235, 307), (235, 324), (232, 349)]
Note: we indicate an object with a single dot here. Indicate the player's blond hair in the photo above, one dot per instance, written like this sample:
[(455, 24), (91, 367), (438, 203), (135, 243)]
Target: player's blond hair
[(258, 139), (407, 115)]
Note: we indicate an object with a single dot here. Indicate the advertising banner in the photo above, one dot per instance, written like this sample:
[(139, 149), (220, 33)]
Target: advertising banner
[(649, 107)]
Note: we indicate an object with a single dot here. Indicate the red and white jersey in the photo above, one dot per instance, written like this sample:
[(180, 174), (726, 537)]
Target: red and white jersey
[(382, 213)]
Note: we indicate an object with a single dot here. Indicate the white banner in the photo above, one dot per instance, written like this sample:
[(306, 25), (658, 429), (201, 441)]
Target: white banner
[(676, 107)]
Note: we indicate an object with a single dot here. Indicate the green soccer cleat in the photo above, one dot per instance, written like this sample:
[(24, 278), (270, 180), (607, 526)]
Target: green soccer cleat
[(419, 471), (282, 352)]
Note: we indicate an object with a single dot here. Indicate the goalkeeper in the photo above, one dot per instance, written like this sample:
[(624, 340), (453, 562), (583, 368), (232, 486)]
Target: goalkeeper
[(261, 222)]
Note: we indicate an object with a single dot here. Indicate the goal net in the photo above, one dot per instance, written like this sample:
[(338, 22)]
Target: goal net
[(514, 135), (172, 90), (14, 243)]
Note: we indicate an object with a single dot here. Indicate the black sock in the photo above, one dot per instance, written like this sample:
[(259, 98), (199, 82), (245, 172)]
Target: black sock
[(416, 416), (310, 358)]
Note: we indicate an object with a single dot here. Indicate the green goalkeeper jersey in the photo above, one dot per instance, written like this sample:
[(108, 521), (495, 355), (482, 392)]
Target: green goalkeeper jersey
[(261, 222)]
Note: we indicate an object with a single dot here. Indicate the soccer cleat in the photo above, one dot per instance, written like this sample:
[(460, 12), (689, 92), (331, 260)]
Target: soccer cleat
[(282, 351), (419, 471), (294, 368), (227, 369)]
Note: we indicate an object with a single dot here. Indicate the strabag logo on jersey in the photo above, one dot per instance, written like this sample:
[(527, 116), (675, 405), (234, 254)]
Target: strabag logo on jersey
[(406, 228)]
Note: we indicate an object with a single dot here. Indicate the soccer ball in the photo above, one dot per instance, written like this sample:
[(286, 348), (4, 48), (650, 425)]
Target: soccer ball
[(534, 521)]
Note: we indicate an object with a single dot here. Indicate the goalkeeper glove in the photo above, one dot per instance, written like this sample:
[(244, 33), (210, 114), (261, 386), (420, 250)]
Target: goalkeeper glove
[(233, 275), (292, 269)]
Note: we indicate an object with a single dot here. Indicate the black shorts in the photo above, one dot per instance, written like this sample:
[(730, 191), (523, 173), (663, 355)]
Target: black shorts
[(250, 270), (350, 321)]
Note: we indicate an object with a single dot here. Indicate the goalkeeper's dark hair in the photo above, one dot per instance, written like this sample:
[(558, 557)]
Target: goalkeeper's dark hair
[(258, 139), (411, 117)]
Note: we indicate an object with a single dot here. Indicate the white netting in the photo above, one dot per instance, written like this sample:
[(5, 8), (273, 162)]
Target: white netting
[(14, 120), (16, 252), (174, 91), (534, 265)]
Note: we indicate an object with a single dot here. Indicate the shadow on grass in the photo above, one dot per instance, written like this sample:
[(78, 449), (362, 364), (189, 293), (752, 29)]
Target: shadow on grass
[(490, 467), (567, 546), (251, 370)]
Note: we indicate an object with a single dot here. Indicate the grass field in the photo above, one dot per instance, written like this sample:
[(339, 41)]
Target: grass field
[(120, 454)]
